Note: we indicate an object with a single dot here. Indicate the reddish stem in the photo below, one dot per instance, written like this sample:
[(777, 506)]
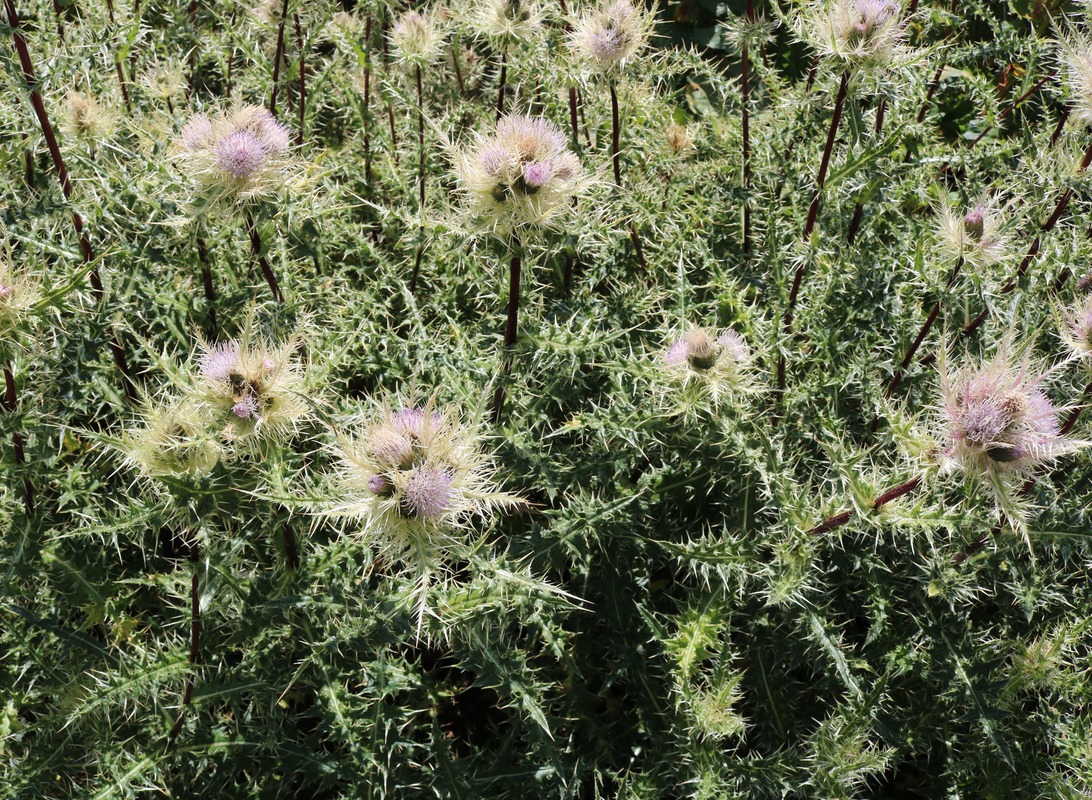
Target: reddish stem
[(86, 251), (277, 56)]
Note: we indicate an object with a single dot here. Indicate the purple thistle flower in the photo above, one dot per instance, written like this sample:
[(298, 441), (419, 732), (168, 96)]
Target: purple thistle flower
[(378, 485), (247, 408), (220, 361), (537, 174), (607, 44), (241, 154), (733, 346), (428, 493), (974, 223), (5, 290), (493, 160), (273, 135), (412, 421), (999, 421)]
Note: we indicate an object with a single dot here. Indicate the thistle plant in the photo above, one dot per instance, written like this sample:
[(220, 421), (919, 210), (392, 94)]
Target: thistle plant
[(18, 294), (717, 361), (816, 593), (238, 157), (412, 478), (606, 40), (251, 389), (505, 23), (417, 39), (520, 179), (999, 425)]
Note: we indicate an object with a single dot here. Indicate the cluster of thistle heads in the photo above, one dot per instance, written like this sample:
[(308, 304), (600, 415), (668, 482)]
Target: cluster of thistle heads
[(418, 472), (240, 395)]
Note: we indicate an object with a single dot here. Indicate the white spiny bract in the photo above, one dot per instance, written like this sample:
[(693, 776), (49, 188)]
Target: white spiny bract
[(1075, 55), (608, 37), (520, 176), (975, 234), (18, 294), (251, 390), (412, 477), (86, 118), (1076, 329), (713, 360), (998, 422), (173, 441), (417, 38), (504, 21), (237, 155), (860, 33)]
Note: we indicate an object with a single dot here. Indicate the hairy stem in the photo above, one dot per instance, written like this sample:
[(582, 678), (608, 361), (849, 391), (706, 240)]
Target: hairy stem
[(278, 55), (892, 494), (745, 92), (922, 333), (858, 209), (259, 256), (503, 80), (511, 331), (1014, 104), (206, 282)]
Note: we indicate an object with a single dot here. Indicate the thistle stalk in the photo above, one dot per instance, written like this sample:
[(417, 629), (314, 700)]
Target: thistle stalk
[(922, 333), (207, 284), (86, 251), (277, 57), (259, 256), (813, 215), (511, 329), (503, 80), (367, 100), (420, 177), (858, 209), (616, 159), (1014, 104), (892, 494), (117, 61)]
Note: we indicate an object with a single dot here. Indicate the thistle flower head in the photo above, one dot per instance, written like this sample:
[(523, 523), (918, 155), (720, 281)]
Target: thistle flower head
[(85, 117), (609, 36), (521, 175), (1077, 328), (417, 38), (1076, 68), (507, 20), (164, 81), (997, 420), (250, 389), (240, 154), (172, 442), (862, 33), (713, 360), (17, 294), (412, 479), (975, 234)]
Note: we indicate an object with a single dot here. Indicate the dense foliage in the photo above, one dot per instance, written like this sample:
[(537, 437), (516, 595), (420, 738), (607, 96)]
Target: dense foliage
[(545, 400)]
